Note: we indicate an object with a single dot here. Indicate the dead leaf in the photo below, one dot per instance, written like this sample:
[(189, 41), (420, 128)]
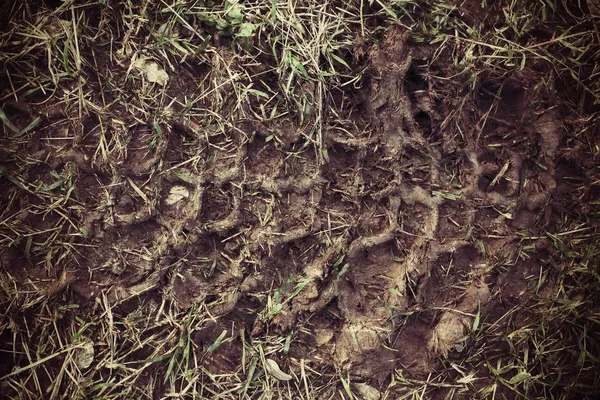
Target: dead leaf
[(152, 71), (367, 392), (273, 369), (176, 194), (84, 355)]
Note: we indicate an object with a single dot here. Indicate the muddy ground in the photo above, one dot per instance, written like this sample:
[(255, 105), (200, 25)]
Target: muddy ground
[(420, 210)]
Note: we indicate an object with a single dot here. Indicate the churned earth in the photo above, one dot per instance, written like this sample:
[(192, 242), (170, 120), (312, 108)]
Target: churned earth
[(191, 209)]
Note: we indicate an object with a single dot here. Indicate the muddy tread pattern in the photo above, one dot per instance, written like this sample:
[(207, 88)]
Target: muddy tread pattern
[(251, 218)]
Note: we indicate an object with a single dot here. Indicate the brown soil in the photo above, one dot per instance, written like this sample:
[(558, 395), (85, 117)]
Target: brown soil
[(381, 255)]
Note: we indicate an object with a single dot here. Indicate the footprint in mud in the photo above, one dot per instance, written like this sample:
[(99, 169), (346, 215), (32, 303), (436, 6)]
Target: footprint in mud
[(144, 150), (360, 348), (530, 209), (454, 220), (217, 203)]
